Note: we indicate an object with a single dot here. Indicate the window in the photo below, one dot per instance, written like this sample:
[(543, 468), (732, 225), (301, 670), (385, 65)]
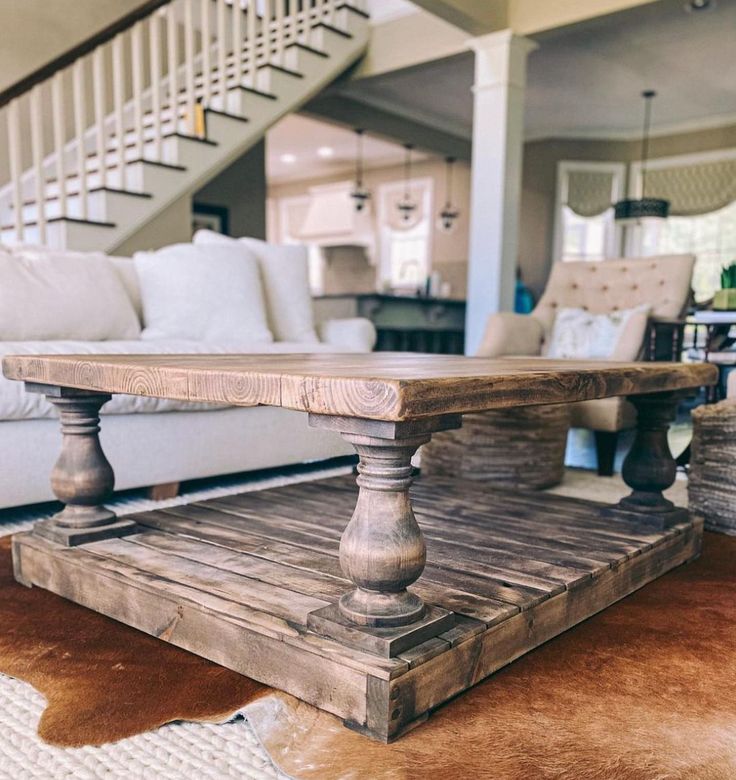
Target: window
[(710, 237), (584, 224), (405, 246), (701, 189)]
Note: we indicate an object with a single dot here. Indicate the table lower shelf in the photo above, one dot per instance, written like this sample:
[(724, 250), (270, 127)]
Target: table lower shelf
[(234, 580)]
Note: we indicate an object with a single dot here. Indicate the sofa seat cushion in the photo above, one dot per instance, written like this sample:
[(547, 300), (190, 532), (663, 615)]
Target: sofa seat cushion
[(603, 414), (17, 404)]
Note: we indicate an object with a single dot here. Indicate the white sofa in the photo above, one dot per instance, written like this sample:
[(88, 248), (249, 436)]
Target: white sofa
[(148, 441)]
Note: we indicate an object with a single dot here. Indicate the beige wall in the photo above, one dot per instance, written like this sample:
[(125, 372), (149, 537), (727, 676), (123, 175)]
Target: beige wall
[(539, 183), (449, 250), (172, 226), (35, 32)]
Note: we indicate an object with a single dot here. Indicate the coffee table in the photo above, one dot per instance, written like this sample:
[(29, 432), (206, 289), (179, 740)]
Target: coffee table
[(253, 582)]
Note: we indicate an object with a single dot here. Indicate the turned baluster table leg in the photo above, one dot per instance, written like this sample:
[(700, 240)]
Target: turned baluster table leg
[(649, 468), (82, 478), (382, 550)]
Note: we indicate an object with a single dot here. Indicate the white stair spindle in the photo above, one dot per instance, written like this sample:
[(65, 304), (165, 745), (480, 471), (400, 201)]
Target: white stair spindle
[(172, 54), (329, 11), (39, 180), (118, 98), (189, 67), (57, 106), (98, 92), (206, 52), (136, 53), (16, 164), (154, 39), (222, 48), (279, 32), (251, 35), (237, 25), (80, 120), (290, 21), (306, 22), (319, 11), (265, 33)]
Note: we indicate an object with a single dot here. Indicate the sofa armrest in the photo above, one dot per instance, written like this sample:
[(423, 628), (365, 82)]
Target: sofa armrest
[(356, 334), (511, 334)]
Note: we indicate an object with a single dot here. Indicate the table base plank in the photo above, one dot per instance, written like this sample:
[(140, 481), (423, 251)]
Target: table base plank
[(236, 579)]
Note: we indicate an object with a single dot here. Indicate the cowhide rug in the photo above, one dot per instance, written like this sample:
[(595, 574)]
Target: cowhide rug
[(102, 680), (645, 690)]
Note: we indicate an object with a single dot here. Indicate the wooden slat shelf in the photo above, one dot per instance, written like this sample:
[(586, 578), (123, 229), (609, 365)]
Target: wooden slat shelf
[(234, 579)]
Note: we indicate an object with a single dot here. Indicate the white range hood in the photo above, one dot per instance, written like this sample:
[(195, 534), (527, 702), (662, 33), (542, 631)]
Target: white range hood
[(332, 219)]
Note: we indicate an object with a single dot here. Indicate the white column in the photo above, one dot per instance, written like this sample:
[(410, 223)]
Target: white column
[(498, 135)]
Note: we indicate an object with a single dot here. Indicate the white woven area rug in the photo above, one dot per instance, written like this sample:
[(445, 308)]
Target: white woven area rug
[(179, 750)]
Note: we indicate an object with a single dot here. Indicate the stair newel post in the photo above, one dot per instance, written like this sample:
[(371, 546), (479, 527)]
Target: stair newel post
[(172, 55), (136, 58), (118, 99), (222, 49), (189, 67), (80, 114), (37, 154), (59, 132), (98, 93)]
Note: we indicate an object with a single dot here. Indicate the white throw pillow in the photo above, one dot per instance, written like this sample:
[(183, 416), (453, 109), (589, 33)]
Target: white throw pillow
[(52, 295), (578, 334), (201, 293), (285, 275)]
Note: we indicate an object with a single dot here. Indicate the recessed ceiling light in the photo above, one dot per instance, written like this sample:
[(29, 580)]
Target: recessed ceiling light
[(325, 151), (288, 158), (699, 5)]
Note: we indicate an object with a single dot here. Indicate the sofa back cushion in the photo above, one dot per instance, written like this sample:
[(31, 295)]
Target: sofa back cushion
[(201, 293), (53, 295), (285, 275), (125, 269), (662, 282)]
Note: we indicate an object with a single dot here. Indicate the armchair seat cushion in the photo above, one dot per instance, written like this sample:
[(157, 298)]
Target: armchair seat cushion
[(603, 414)]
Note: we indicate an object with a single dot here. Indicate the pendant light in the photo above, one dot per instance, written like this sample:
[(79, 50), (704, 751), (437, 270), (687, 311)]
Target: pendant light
[(630, 209), (449, 214), (359, 193), (406, 205)]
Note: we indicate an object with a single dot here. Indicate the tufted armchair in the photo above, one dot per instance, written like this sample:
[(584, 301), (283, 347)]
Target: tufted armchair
[(663, 282)]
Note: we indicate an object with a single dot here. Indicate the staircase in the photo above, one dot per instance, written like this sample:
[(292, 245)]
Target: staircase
[(101, 147)]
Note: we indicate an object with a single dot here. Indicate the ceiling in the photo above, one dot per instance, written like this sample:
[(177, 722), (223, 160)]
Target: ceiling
[(585, 80), (301, 138)]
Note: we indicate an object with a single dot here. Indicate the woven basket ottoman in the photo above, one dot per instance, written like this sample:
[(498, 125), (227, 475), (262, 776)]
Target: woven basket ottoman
[(522, 447), (712, 482)]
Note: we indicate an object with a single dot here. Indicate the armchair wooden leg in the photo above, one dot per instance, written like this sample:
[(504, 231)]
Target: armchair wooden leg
[(605, 449)]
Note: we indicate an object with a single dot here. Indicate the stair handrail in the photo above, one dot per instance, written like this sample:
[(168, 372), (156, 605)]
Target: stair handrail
[(66, 59)]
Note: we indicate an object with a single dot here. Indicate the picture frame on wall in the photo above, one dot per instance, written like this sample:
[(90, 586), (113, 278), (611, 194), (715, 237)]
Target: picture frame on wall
[(208, 217)]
